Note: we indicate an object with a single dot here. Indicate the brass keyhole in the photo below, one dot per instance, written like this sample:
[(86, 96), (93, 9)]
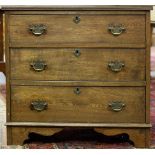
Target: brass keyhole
[(77, 53), (76, 19), (77, 91)]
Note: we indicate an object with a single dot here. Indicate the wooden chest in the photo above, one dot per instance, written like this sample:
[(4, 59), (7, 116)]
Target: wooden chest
[(79, 66)]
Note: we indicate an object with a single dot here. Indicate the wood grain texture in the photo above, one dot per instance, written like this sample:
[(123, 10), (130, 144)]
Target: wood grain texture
[(9, 136), (148, 43), (6, 47), (148, 138), (91, 105), (100, 125), (91, 65), (75, 12), (62, 31), (1, 36), (76, 83), (136, 135), (76, 7), (2, 66), (2, 63), (19, 134), (65, 72)]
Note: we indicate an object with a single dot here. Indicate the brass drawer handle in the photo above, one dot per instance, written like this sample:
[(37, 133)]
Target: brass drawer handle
[(76, 19), (77, 53), (39, 105), (116, 30), (116, 66), (37, 29), (38, 65), (116, 106), (77, 91)]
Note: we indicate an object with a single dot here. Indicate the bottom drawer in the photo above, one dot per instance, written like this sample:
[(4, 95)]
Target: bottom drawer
[(17, 135), (78, 105)]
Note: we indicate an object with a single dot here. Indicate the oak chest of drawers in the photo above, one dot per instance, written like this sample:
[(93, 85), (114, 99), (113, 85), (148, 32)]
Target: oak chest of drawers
[(79, 66)]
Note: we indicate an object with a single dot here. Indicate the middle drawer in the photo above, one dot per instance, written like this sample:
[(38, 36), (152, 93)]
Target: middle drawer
[(78, 64), (78, 104)]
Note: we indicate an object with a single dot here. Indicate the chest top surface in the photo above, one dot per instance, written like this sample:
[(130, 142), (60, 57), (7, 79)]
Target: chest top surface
[(77, 7)]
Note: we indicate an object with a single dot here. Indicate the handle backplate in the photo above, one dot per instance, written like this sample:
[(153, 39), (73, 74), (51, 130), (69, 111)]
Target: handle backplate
[(116, 106), (37, 29), (116, 66), (38, 65), (116, 29), (39, 105)]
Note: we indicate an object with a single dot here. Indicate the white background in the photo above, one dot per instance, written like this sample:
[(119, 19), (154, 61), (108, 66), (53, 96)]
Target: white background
[(77, 2)]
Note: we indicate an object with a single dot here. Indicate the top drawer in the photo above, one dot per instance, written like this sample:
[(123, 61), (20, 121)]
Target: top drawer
[(84, 30)]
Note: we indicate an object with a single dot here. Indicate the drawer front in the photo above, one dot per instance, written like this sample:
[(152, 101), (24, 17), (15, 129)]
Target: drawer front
[(73, 30), (78, 64), (78, 104)]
